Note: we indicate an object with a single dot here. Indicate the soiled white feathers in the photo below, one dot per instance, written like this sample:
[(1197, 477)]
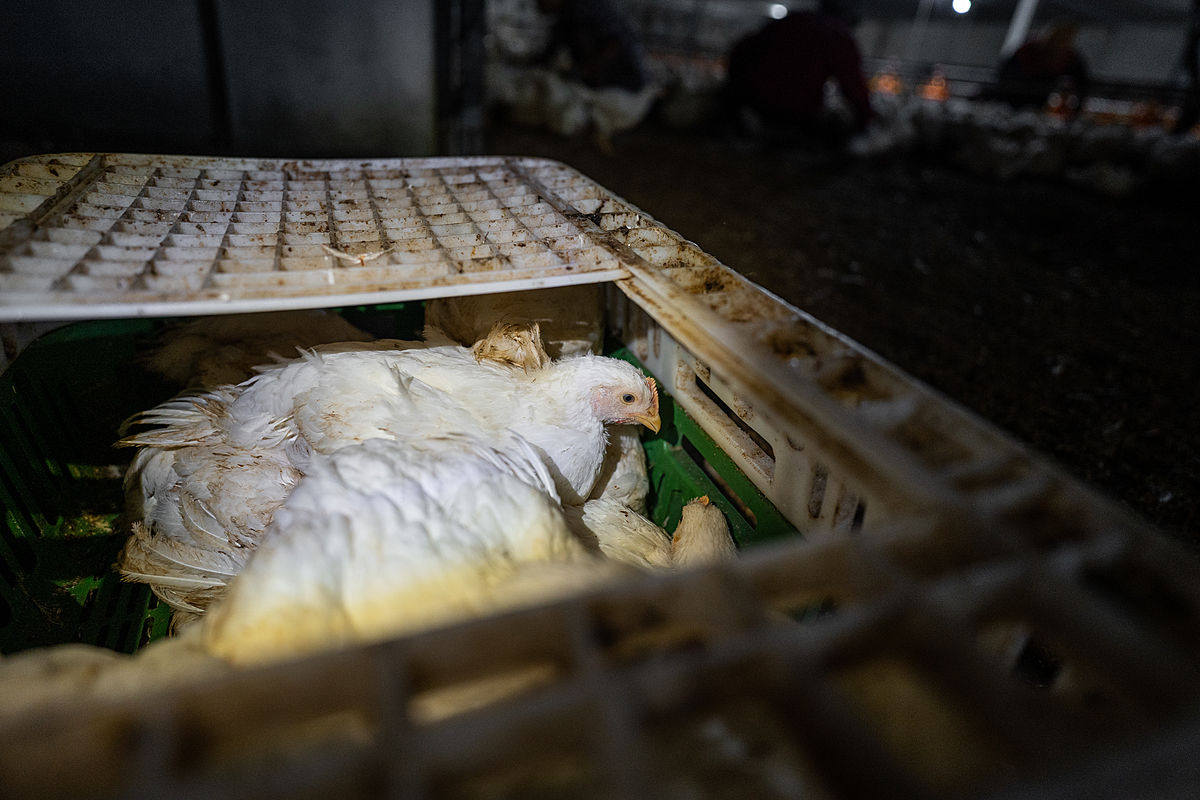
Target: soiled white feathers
[(624, 477), (620, 533), (513, 344), (198, 503)]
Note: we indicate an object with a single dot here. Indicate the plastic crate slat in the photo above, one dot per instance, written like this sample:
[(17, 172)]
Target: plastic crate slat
[(20, 500), (38, 489), (34, 410)]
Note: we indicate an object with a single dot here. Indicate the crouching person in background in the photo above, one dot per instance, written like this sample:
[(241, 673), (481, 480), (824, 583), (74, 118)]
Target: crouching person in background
[(606, 88), (781, 76)]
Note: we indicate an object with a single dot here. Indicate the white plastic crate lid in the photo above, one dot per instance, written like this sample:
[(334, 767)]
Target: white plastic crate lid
[(86, 236)]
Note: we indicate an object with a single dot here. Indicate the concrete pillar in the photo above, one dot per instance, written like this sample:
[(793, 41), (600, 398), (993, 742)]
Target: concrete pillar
[(1018, 29)]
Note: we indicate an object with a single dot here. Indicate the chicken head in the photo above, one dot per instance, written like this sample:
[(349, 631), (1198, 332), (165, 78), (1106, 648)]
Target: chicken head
[(702, 536), (628, 403)]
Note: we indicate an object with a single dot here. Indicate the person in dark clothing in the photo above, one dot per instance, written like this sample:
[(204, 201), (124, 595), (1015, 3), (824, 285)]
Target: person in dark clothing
[(1042, 66), (605, 51), (780, 71)]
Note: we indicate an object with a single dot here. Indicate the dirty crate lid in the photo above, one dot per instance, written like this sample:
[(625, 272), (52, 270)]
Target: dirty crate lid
[(85, 236)]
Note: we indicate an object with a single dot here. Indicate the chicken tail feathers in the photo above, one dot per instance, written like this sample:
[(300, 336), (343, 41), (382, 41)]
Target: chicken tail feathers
[(182, 421), (185, 576), (170, 581)]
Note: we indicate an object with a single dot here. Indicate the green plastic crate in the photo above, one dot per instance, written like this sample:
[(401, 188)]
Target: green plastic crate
[(60, 479), (60, 486)]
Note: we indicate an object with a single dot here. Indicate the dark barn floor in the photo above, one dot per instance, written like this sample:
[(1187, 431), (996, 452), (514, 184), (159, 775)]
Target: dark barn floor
[(1069, 319)]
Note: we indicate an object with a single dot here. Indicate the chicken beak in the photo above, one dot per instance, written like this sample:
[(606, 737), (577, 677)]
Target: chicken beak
[(650, 419)]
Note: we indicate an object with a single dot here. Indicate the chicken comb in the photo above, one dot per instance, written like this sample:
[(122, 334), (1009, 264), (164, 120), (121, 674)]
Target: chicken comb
[(653, 390)]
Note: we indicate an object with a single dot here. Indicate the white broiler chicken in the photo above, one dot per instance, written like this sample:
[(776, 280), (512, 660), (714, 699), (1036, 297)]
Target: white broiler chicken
[(328, 399), (382, 539), (210, 476), (702, 536)]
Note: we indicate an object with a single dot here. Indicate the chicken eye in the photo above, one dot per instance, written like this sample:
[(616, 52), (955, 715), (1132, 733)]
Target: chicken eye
[(628, 398)]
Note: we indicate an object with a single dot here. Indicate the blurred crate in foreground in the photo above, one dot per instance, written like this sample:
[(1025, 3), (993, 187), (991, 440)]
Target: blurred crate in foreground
[(922, 606)]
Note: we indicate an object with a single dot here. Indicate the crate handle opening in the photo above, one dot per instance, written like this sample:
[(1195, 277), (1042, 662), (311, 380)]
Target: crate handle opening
[(816, 500), (88, 605), (124, 645), (147, 632), (816, 497), (725, 489), (757, 438)]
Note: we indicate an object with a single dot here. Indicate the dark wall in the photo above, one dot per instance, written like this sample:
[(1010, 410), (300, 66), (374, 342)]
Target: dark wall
[(301, 78), (107, 68), (354, 77)]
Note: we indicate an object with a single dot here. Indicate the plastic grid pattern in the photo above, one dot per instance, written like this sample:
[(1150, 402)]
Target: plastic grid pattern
[(30, 186), (139, 234)]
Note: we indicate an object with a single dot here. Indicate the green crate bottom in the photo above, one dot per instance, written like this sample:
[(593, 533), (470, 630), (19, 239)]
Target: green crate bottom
[(61, 404)]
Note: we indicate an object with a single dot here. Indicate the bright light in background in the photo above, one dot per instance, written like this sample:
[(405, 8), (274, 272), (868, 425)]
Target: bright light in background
[(962, 6), (779, 11)]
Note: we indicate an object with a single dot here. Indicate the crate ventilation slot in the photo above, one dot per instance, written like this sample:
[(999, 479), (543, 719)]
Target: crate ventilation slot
[(755, 446), (754, 435), (817, 496)]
